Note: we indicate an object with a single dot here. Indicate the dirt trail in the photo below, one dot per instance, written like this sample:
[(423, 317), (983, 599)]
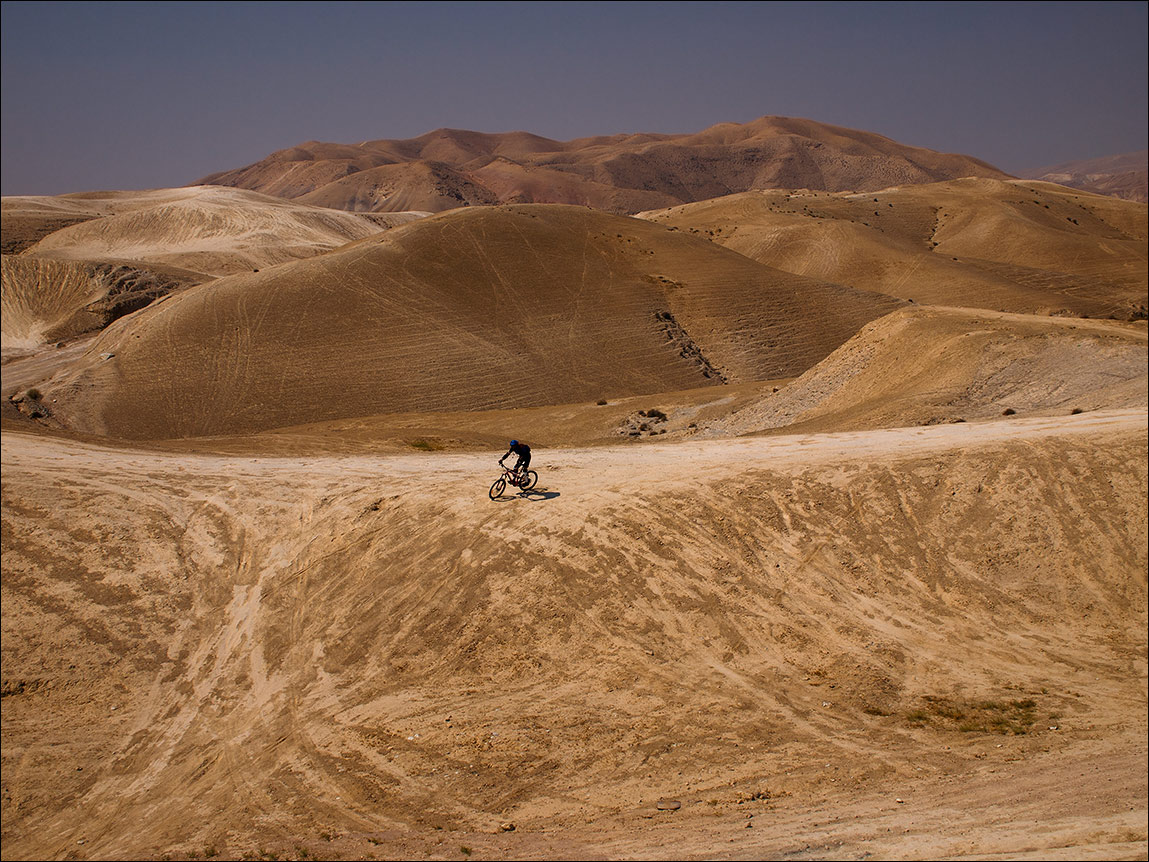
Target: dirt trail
[(364, 656)]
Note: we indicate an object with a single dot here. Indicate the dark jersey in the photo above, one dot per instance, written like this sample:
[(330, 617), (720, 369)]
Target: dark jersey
[(521, 449)]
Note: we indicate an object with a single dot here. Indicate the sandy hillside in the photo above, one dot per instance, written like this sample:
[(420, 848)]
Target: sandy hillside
[(481, 308), (919, 366), (27, 219), (1021, 246), (447, 168), (86, 260), (913, 643), (212, 230), (927, 366)]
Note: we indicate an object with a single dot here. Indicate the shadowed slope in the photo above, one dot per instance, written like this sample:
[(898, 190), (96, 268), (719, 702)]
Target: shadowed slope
[(470, 310), (45, 300), (622, 173), (1019, 246)]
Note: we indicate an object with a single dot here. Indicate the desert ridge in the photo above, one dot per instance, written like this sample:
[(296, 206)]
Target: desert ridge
[(74, 263), (480, 308), (1017, 246), (923, 366), (365, 655), (209, 229)]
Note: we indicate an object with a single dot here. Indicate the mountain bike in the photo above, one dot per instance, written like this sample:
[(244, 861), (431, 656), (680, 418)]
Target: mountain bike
[(522, 481)]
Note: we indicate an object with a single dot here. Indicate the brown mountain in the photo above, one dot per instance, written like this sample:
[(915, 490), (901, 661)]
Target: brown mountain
[(1124, 176), (448, 168)]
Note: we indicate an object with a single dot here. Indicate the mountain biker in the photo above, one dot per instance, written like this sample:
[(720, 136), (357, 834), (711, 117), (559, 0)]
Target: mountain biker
[(524, 453)]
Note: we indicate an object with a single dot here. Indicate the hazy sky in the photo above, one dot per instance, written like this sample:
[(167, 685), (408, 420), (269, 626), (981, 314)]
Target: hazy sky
[(140, 95)]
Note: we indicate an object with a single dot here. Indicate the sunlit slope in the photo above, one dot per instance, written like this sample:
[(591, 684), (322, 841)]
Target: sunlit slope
[(212, 230), (1021, 246), (474, 309), (282, 650), (924, 366), (29, 218)]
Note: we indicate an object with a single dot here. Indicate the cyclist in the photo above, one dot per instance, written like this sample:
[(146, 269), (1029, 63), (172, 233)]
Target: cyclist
[(524, 453)]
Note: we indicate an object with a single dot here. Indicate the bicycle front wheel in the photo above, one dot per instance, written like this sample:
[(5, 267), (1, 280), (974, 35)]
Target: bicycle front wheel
[(498, 488), (529, 480)]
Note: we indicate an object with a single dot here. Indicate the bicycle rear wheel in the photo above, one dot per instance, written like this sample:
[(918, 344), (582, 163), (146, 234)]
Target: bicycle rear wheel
[(498, 487), (529, 480)]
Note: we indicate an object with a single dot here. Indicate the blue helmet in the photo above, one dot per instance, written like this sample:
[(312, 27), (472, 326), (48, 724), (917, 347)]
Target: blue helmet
[(514, 442)]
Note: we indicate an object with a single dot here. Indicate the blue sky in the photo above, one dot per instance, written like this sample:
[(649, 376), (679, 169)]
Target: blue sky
[(139, 95)]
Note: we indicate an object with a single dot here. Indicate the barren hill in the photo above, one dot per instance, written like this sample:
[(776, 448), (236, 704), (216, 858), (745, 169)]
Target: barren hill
[(424, 186), (211, 230), (1020, 245), (1124, 176), (27, 219), (85, 260), (929, 366), (469, 310), (621, 173)]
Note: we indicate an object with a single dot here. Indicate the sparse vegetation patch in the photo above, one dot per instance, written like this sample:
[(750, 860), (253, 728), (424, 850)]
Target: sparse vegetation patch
[(425, 445), (644, 422), (1015, 716)]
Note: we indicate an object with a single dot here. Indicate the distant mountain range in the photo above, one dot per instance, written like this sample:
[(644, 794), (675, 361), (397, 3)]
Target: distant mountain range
[(1125, 176), (448, 168)]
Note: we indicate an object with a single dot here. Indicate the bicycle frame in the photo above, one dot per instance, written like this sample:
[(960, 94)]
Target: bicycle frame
[(511, 477), (525, 481)]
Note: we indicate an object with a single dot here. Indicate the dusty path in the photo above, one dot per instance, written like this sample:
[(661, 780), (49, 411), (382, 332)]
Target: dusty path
[(585, 470), (364, 656)]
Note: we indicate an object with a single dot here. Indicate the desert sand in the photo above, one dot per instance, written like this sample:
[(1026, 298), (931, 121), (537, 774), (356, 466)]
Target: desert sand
[(847, 562), (911, 643)]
